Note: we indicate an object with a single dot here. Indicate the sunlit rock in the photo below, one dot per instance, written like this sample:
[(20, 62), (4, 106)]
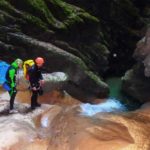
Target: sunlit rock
[(48, 116), (87, 133), (67, 127), (18, 131), (138, 126)]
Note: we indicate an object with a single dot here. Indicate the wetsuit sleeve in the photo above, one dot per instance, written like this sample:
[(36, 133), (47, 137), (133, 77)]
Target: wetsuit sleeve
[(31, 77), (12, 78), (41, 76), (32, 72)]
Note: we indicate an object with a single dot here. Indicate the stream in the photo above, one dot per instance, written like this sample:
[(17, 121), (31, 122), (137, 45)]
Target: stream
[(117, 101)]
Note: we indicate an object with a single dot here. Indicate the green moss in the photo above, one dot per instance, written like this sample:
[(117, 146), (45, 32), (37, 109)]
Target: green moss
[(95, 78), (7, 7), (8, 13), (6, 18), (4, 5), (42, 7), (72, 14), (2, 19), (37, 12), (101, 48), (77, 60), (39, 9), (91, 75), (34, 20), (88, 16)]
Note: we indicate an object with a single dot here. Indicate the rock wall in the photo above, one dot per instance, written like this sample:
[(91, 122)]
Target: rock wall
[(136, 81)]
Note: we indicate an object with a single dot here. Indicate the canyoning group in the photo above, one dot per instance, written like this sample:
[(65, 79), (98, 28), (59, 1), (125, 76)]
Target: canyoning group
[(32, 73)]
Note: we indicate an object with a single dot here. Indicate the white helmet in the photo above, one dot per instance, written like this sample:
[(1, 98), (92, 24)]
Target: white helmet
[(19, 61)]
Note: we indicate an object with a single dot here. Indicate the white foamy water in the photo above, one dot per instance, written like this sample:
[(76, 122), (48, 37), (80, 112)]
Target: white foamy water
[(110, 105)]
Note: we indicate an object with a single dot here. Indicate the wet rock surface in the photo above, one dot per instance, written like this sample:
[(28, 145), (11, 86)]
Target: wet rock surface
[(62, 126)]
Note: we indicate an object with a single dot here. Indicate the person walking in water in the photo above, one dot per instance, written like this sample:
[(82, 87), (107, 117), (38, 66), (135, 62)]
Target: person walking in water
[(36, 81), (11, 81)]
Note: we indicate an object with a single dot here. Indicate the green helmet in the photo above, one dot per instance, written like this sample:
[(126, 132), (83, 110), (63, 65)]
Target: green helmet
[(19, 61)]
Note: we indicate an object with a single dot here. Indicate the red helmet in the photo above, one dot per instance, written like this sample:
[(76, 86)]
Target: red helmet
[(39, 60)]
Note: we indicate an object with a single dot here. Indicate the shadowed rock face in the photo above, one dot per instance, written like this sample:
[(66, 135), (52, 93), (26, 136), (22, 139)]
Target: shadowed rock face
[(136, 81), (121, 23)]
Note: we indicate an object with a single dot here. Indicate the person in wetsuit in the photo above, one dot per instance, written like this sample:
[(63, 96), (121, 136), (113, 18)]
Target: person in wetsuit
[(36, 81), (11, 82)]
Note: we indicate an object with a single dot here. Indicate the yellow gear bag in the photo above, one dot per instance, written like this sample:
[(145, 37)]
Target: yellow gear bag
[(27, 64)]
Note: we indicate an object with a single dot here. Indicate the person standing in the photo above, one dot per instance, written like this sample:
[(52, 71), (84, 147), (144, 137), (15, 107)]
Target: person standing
[(36, 81), (11, 81)]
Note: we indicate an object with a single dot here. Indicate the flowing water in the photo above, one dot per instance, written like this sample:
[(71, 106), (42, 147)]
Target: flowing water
[(110, 105), (117, 101)]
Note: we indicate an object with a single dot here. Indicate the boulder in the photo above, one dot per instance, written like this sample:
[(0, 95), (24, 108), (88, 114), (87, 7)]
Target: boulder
[(136, 81)]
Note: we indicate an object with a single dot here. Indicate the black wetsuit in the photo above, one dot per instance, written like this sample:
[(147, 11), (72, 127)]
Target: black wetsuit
[(35, 76)]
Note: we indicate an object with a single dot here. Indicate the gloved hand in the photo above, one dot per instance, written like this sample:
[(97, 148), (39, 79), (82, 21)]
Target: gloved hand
[(41, 82), (34, 88)]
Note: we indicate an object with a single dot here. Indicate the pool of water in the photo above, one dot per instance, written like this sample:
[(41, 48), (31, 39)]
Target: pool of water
[(115, 84)]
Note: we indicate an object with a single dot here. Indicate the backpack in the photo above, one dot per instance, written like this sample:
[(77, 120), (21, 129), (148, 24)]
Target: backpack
[(26, 66), (3, 70)]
